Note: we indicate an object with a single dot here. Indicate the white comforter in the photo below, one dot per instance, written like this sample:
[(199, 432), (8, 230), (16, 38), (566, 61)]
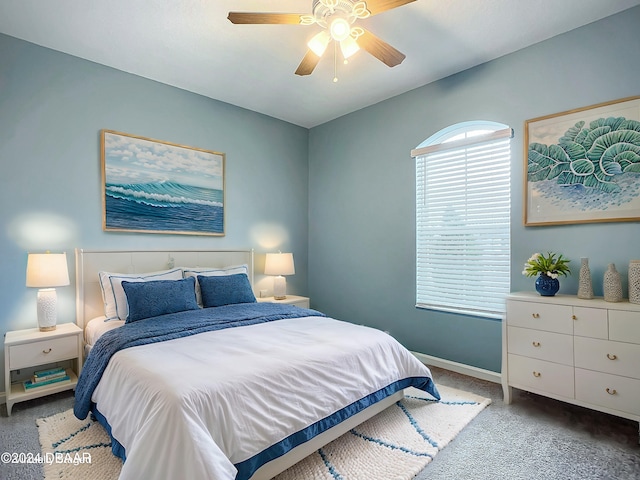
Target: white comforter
[(183, 409)]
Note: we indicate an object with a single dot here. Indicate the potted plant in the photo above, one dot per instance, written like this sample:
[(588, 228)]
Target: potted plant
[(547, 268)]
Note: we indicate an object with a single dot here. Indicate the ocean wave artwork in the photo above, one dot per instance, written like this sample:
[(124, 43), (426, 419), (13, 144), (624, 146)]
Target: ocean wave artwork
[(152, 186), (169, 207)]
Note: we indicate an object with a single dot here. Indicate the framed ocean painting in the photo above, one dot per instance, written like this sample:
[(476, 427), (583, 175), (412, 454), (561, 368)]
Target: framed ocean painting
[(160, 187), (583, 165)]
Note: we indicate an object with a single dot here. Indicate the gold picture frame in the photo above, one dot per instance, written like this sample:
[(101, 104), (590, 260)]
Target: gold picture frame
[(583, 165), (151, 186)]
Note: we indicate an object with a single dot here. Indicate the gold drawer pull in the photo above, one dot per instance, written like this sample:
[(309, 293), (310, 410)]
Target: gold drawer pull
[(611, 356), (536, 344), (537, 374), (611, 391), (535, 315), (574, 317), (46, 351)]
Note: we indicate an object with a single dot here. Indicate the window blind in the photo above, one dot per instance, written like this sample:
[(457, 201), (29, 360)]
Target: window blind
[(463, 225)]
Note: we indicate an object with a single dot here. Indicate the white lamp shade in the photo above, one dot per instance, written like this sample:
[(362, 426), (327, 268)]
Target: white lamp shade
[(47, 270), (279, 264)]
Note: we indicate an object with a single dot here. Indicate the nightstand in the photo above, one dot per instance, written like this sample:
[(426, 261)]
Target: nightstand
[(290, 300), (25, 349)]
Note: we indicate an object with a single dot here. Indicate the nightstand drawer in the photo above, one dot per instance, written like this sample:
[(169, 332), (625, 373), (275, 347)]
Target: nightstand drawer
[(43, 351)]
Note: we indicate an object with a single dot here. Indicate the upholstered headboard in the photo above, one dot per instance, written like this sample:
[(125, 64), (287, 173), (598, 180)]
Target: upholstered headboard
[(89, 302)]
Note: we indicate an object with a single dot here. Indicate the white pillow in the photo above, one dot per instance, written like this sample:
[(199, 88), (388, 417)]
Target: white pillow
[(212, 272), (113, 296)]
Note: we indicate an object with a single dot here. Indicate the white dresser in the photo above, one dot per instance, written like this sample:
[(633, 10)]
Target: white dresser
[(585, 352)]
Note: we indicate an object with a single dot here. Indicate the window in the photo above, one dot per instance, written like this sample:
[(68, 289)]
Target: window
[(462, 219)]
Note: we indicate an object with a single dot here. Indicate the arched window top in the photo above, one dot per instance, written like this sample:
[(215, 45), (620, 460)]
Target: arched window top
[(462, 130), (461, 134)]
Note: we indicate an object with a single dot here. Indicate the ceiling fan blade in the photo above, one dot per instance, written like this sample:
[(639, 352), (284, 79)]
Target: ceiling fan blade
[(379, 6), (264, 18), (308, 63), (380, 49)]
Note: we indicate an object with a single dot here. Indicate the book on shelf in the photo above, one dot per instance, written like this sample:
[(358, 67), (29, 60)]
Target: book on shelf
[(49, 371), (45, 375), (29, 384)]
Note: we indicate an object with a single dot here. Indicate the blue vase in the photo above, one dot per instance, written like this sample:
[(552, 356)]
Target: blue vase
[(547, 286)]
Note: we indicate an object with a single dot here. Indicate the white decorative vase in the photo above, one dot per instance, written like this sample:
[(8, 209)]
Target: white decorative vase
[(612, 284), (585, 287), (634, 281)]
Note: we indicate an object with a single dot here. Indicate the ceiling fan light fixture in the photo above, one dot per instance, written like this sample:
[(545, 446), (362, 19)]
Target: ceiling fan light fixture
[(349, 47), (340, 29), (335, 18), (318, 44)]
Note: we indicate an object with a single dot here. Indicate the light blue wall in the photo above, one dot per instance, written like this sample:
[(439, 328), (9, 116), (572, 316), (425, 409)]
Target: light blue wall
[(361, 190), (340, 196), (52, 108)]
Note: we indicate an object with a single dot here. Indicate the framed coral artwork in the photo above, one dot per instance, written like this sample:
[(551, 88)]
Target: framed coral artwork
[(153, 186), (583, 165)]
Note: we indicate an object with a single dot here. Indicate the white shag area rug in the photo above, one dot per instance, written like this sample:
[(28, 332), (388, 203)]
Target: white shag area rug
[(394, 445)]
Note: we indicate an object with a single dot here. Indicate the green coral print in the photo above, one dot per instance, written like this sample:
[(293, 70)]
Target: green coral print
[(593, 159)]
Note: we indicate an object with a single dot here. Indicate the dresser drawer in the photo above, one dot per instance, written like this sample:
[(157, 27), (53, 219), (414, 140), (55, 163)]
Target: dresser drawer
[(590, 322), (624, 326), (554, 347), (43, 351), (540, 316), (611, 391), (617, 358), (540, 375)]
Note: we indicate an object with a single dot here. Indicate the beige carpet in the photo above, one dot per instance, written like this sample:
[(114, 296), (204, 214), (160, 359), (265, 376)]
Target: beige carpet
[(394, 445)]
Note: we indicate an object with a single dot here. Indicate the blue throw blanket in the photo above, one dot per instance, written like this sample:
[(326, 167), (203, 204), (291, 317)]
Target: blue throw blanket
[(168, 327)]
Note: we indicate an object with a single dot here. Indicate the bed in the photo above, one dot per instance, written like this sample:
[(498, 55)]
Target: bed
[(215, 385)]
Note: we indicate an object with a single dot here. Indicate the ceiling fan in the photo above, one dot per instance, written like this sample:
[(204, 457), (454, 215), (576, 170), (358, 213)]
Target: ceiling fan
[(337, 19)]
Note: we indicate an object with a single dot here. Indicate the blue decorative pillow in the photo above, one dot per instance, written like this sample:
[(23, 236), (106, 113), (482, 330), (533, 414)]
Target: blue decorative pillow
[(159, 297), (225, 290)]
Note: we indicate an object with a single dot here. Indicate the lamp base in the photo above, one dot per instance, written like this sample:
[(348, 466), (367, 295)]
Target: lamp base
[(47, 309), (279, 288)]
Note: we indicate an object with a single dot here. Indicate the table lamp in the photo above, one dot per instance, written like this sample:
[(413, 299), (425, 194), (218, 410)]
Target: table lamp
[(279, 264), (46, 271)]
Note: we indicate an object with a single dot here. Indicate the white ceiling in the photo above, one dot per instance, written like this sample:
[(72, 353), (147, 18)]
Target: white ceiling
[(190, 44)]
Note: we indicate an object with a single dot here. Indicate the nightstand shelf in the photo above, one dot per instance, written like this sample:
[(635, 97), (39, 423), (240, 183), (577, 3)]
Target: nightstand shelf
[(26, 349), (20, 394), (289, 300)]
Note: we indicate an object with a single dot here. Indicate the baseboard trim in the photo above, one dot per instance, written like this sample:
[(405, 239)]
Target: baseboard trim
[(468, 370)]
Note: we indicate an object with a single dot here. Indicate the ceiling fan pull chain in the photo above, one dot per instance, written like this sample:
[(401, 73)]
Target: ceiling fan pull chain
[(335, 61)]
